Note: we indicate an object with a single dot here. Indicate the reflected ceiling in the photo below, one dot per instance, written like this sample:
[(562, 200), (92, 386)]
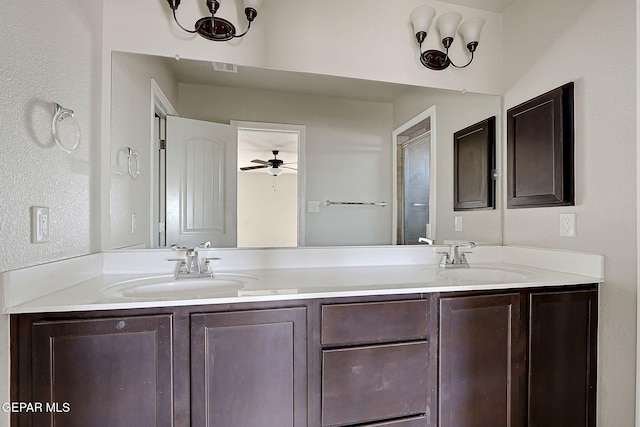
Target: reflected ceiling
[(202, 72), (497, 6)]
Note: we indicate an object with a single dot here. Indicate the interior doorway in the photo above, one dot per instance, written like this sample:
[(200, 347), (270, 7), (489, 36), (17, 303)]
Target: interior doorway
[(414, 151), (270, 185)]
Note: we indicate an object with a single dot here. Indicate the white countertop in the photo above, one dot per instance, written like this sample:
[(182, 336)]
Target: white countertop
[(304, 283)]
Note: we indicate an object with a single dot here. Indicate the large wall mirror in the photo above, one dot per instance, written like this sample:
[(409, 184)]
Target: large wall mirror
[(250, 157)]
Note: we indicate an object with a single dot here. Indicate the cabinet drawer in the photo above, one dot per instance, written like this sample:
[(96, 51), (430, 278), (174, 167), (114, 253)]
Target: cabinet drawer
[(374, 322), (407, 422), (366, 384)]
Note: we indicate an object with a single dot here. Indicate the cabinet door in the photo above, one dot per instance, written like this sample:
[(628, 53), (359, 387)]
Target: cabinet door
[(249, 368), (103, 372), (481, 361), (562, 359)]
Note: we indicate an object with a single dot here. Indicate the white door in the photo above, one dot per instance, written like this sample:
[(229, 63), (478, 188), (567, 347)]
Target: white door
[(201, 183)]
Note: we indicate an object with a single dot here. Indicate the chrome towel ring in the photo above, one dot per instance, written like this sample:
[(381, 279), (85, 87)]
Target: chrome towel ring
[(133, 160), (60, 115)]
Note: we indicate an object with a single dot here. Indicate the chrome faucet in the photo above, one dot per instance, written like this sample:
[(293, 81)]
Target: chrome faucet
[(426, 240), (454, 258), (192, 266)]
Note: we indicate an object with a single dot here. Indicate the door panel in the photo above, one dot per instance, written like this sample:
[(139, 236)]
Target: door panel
[(562, 359), (480, 361), (201, 182), (110, 372), (248, 368)]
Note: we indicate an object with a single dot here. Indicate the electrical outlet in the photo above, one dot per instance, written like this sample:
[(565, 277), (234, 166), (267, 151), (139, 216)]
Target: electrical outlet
[(40, 230), (568, 225)]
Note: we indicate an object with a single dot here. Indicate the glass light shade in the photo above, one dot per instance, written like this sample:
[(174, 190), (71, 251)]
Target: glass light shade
[(253, 4), (448, 23), (275, 171), (471, 28), (421, 18)]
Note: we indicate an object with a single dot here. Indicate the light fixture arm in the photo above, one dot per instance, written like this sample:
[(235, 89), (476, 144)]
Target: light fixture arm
[(215, 28), (175, 18), (460, 66)]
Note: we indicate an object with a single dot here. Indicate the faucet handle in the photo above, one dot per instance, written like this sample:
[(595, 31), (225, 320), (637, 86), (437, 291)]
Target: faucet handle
[(207, 265), (206, 244), (182, 265)]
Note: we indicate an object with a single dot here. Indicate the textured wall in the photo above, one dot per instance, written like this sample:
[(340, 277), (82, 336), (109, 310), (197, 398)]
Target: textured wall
[(50, 53), (605, 161)]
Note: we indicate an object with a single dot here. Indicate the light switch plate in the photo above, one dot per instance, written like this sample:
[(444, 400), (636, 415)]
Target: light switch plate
[(457, 223), (313, 206)]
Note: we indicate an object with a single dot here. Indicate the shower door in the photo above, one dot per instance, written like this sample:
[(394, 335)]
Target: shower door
[(415, 177)]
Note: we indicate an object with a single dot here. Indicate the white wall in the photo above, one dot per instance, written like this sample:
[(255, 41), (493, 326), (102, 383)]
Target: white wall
[(348, 153), (371, 39), (455, 111), (267, 217), (130, 127), (50, 53), (596, 49)]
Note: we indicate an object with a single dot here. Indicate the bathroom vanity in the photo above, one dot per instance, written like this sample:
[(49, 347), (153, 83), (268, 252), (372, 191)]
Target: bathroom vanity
[(452, 354)]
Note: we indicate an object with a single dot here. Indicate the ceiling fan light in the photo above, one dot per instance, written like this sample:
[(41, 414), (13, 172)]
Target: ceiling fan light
[(275, 171)]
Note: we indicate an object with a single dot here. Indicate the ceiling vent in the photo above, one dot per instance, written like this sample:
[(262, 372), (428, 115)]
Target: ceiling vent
[(225, 66)]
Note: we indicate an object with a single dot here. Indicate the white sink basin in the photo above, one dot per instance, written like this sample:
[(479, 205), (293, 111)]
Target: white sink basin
[(487, 275), (167, 287)]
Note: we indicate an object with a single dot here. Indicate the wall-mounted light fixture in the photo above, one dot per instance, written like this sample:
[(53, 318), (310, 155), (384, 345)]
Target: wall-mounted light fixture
[(448, 25), (215, 28)]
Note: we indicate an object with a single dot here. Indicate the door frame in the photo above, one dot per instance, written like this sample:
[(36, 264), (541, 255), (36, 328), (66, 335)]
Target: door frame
[(162, 107), (428, 114), (301, 130)]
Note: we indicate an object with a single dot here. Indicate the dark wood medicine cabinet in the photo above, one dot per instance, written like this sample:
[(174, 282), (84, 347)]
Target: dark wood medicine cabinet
[(516, 358), (474, 153), (540, 150)]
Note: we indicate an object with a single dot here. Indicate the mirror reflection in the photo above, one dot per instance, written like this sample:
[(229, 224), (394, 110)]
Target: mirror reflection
[(206, 136)]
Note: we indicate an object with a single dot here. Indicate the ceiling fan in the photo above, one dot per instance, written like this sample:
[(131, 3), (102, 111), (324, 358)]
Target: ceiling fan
[(274, 166)]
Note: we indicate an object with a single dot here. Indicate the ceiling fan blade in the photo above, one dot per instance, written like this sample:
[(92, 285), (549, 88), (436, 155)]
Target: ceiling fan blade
[(248, 168), (262, 162), (290, 163), (287, 167)]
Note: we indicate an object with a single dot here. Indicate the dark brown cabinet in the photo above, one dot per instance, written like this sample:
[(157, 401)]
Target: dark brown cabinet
[(525, 358), (375, 363), (222, 367), (480, 361), (249, 368), (101, 372), (516, 358), (562, 359)]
